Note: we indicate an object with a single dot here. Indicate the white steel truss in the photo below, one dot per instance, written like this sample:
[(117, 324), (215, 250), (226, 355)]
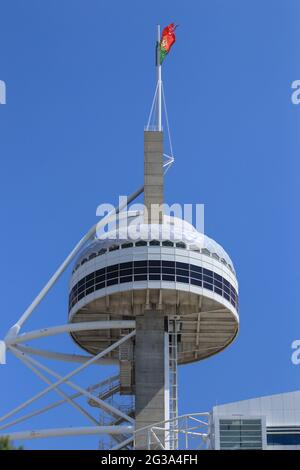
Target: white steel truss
[(14, 342), (193, 432)]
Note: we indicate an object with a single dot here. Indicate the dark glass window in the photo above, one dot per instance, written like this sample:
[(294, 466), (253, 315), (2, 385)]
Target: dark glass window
[(113, 247), (282, 439), (168, 277), (112, 275), (207, 278), (217, 290), (196, 276), (154, 277), (167, 243), (139, 264), (226, 296), (182, 272), (81, 288), (141, 243), (155, 270), (92, 255), (100, 272), (196, 282), (207, 272), (208, 286), (101, 285), (114, 267), (102, 251), (226, 289), (182, 279), (198, 269), (126, 272), (127, 245), (141, 270), (140, 277), (169, 264), (154, 262), (168, 270), (126, 265), (154, 243), (182, 265), (125, 279), (100, 279), (180, 245)]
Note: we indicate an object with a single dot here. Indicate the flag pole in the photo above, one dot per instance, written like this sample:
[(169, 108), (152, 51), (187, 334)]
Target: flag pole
[(159, 83)]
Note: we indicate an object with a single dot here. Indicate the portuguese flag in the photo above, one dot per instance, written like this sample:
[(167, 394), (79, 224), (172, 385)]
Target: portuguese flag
[(167, 40)]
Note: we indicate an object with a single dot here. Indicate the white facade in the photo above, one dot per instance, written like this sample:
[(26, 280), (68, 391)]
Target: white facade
[(235, 425)]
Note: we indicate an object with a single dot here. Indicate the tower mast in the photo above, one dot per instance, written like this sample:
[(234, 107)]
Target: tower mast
[(159, 82)]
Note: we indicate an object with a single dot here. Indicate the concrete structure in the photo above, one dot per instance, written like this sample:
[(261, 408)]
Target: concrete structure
[(148, 294), (154, 273), (266, 423)]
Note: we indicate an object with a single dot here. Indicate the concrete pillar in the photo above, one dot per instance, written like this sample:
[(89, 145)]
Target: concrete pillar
[(153, 176), (151, 374)]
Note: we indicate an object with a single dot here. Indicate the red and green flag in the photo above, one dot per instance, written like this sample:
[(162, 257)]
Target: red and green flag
[(167, 40)]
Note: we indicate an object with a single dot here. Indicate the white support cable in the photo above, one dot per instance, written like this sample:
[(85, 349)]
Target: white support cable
[(167, 122), (152, 108), (71, 374)]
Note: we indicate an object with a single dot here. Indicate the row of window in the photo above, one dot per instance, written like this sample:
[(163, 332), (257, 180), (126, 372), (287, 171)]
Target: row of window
[(240, 434), (153, 270), (165, 243), (292, 439)]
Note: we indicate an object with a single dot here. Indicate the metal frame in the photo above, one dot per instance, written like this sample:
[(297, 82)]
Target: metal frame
[(13, 342), (196, 426)]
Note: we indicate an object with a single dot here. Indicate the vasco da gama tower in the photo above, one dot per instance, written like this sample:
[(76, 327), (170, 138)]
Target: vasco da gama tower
[(145, 304)]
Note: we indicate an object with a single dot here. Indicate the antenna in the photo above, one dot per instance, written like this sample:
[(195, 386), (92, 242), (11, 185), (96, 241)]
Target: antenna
[(159, 82)]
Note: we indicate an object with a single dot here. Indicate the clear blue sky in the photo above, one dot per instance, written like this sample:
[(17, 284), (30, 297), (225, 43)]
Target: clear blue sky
[(80, 80)]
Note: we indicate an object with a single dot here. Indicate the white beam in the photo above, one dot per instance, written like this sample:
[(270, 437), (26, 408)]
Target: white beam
[(62, 432), (71, 327), (77, 358)]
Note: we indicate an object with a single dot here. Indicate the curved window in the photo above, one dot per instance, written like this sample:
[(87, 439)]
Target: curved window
[(205, 251), (92, 255), (102, 251), (153, 270), (154, 243), (215, 256), (167, 243), (141, 243), (127, 245), (83, 261), (113, 248), (180, 245)]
